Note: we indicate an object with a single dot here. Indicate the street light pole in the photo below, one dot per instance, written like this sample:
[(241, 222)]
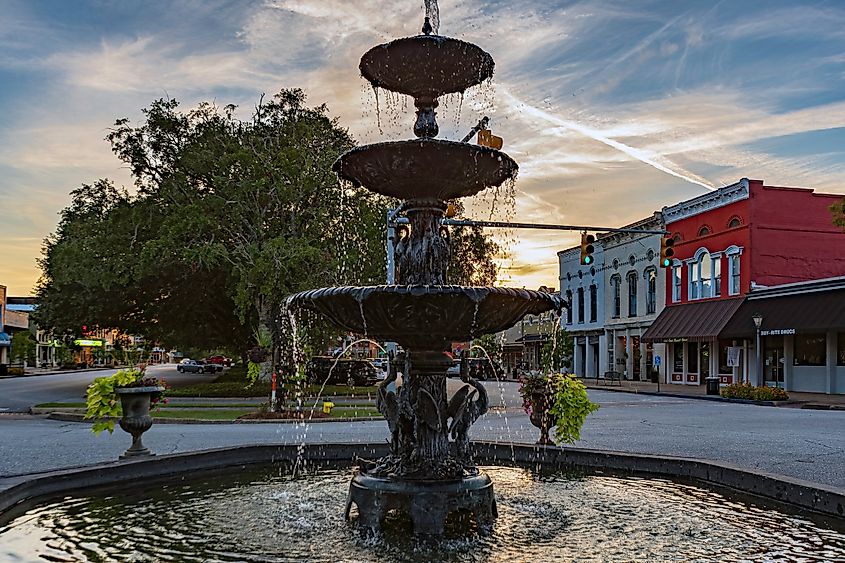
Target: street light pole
[(758, 322)]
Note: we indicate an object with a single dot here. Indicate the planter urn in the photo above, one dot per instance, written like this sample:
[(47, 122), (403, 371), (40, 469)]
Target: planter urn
[(136, 418), (541, 403)]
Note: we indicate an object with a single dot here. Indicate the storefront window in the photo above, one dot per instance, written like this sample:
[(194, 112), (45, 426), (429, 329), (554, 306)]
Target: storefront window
[(692, 362), (724, 345), (841, 348), (678, 350), (580, 304), (704, 362), (810, 350)]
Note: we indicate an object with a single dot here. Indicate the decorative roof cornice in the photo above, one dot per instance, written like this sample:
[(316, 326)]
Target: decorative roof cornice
[(713, 200), (810, 286)]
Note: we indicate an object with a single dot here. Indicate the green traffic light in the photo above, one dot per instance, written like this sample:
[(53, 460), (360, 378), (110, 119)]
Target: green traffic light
[(666, 262), (588, 259)]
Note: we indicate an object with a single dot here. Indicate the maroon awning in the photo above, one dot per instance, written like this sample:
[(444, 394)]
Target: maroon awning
[(695, 322)]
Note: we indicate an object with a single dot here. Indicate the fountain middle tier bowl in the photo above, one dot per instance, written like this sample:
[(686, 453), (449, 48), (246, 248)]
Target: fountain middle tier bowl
[(425, 168), (419, 316), (426, 66)]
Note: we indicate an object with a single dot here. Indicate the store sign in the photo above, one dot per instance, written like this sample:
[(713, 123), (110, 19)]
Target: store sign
[(91, 343), (675, 340), (777, 332)]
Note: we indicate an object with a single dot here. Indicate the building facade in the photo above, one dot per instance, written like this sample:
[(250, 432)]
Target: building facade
[(583, 289), (5, 339), (727, 243), (635, 295)]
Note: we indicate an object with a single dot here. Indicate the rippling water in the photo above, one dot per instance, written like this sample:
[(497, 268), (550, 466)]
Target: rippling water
[(555, 517)]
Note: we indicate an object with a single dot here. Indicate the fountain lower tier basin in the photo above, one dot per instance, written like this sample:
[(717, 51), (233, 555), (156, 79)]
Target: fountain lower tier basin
[(425, 316), (427, 503), (425, 168), (426, 65), (270, 514)]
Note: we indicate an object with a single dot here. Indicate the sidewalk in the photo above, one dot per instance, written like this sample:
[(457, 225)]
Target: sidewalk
[(35, 372), (820, 401)]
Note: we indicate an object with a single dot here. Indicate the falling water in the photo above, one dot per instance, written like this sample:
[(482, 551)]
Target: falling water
[(432, 12), (500, 383)]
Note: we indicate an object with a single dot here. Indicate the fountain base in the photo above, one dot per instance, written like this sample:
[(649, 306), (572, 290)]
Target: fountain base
[(428, 503)]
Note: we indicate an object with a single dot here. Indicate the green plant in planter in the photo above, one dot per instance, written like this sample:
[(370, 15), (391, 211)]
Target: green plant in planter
[(101, 400), (566, 400)]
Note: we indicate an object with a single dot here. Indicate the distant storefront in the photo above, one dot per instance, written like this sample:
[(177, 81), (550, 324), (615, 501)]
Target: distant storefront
[(802, 334)]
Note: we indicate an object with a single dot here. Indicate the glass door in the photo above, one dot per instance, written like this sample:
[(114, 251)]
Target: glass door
[(773, 360)]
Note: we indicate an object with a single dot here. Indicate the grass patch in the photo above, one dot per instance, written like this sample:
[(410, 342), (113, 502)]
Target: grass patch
[(354, 412), (234, 383), (202, 414)]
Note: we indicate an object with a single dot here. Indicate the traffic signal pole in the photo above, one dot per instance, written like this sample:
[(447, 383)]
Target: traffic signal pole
[(546, 226)]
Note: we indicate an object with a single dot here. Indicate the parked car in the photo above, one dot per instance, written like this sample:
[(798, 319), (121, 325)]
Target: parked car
[(381, 367), (347, 371), (196, 366), (219, 361), (479, 368)]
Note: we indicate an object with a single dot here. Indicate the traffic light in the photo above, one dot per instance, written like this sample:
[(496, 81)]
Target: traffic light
[(666, 251), (587, 249)]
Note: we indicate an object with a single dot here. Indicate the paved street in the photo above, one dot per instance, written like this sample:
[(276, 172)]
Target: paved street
[(17, 394), (800, 443)]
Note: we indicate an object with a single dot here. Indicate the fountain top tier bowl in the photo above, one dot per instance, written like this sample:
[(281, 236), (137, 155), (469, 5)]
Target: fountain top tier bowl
[(425, 315), (425, 168), (426, 66)]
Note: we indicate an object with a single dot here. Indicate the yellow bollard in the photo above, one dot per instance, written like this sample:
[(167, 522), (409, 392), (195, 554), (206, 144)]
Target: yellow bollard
[(327, 407)]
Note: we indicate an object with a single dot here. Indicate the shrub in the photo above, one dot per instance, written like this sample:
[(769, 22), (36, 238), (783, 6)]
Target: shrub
[(568, 405), (752, 393)]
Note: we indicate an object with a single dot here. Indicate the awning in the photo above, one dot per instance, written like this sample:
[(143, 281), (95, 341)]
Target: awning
[(694, 322), (790, 314), (533, 338), (5, 339)]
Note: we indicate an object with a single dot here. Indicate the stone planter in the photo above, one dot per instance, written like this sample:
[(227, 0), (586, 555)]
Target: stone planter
[(540, 417), (136, 419)]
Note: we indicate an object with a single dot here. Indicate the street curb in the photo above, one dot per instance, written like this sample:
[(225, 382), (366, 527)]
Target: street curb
[(17, 494), (71, 417), (56, 372), (698, 397)]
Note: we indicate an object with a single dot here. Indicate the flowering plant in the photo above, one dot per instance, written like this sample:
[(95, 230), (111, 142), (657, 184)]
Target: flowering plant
[(563, 398), (101, 401)]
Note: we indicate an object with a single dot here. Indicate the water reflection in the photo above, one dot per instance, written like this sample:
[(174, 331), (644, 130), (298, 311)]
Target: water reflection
[(273, 517)]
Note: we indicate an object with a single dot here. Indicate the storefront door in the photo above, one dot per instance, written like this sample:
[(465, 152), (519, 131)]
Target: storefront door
[(773, 361)]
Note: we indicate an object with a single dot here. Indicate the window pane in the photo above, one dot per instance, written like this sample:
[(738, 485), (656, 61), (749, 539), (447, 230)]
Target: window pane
[(810, 350), (706, 273), (593, 304), (676, 290), (651, 296), (692, 362), (569, 307), (678, 349), (617, 298), (734, 273), (693, 281), (717, 276), (632, 295), (580, 304), (841, 349)]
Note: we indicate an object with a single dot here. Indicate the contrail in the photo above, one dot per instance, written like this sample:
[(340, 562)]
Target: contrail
[(646, 157)]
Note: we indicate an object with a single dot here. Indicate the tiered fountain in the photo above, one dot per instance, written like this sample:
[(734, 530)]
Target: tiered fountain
[(425, 475)]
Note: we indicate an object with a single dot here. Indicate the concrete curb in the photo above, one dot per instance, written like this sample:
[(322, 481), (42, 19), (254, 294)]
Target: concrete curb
[(72, 417), (697, 397), (17, 493), (56, 372)]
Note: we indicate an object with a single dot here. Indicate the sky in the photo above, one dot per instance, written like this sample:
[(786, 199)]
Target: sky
[(613, 109)]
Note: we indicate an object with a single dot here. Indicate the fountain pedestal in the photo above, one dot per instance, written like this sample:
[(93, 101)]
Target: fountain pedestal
[(428, 503)]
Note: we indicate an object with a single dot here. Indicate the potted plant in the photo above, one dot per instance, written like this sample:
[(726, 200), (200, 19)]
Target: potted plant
[(137, 394), (556, 400)]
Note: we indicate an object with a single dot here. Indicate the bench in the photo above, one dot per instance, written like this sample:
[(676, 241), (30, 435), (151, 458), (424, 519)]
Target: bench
[(611, 376)]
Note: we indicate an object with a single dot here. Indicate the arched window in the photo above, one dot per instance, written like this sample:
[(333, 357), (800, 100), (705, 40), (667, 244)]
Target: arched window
[(736, 221), (677, 238), (705, 275), (616, 288), (733, 253), (650, 275), (677, 272), (632, 294), (704, 230), (569, 306), (594, 304), (580, 304)]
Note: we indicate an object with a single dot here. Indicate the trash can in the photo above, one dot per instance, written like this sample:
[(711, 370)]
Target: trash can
[(712, 385)]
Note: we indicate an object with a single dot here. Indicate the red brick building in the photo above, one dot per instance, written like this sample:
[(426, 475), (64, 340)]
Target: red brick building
[(728, 241)]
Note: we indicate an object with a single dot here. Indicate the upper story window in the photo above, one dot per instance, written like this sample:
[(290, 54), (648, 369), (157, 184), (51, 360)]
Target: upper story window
[(677, 269), (580, 304), (569, 306), (735, 222), (651, 291), (733, 254), (594, 303), (705, 275), (704, 230), (616, 288), (632, 294)]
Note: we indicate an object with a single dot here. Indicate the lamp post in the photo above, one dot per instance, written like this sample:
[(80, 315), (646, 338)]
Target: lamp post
[(758, 322)]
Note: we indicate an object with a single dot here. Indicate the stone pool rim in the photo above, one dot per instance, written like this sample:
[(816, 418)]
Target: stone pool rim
[(28, 490)]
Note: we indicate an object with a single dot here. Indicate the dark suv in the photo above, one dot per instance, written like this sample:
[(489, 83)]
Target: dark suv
[(348, 371)]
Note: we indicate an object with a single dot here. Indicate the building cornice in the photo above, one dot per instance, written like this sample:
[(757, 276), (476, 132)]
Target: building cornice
[(719, 198)]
